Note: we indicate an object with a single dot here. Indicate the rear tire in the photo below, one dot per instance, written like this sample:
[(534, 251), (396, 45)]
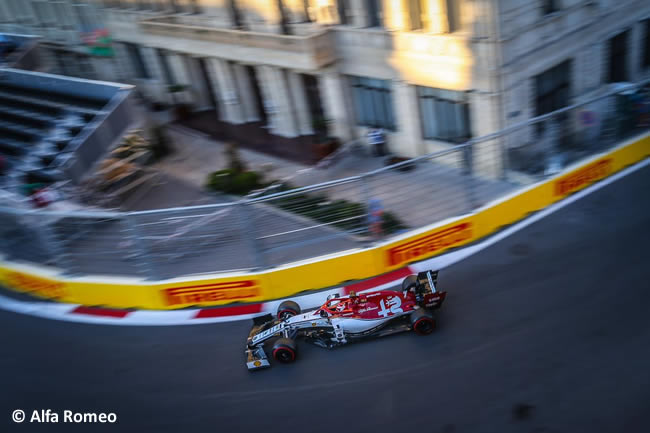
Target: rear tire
[(409, 281), (284, 350), (422, 322), (288, 309)]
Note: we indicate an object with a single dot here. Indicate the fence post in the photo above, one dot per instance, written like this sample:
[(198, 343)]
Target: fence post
[(54, 247), (367, 197), (7, 220), (611, 117), (248, 229), (4, 243), (503, 140), (468, 174), (142, 253)]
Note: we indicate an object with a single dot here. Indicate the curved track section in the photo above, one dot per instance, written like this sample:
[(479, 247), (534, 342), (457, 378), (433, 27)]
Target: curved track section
[(546, 331)]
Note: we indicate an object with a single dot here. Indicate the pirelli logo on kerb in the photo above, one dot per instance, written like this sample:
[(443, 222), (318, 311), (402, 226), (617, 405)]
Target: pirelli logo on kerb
[(35, 285), (229, 291), (426, 245), (583, 177)]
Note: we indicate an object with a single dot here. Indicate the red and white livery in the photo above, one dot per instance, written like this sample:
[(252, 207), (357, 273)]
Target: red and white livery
[(345, 319)]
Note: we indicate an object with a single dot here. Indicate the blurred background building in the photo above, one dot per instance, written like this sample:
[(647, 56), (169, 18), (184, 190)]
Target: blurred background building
[(431, 73), (19, 51), (55, 128)]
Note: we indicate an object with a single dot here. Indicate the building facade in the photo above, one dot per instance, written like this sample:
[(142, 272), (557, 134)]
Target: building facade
[(431, 73)]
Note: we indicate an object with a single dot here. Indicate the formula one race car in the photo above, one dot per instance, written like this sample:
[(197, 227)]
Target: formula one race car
[(346, 319)]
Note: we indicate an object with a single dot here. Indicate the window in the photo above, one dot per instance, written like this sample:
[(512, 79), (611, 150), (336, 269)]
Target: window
[(374, 13), (418, 14), (159, 5), (444, 114), (306, 10), (646, 45), (84, 66), (62, 64), (315, 103), (16, 8), (553, 88), (137, 61), (284, 19), (177, 6), (453, 15), (84, 16), (550, 6), (617, 70), (44, 14), (373, 102), (237, 21), (343, 8), (64, 15), (186, 6), (166, 68)]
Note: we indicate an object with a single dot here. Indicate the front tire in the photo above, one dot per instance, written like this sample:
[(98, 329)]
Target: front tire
[(288, 309), (284, 350), (422, 322)]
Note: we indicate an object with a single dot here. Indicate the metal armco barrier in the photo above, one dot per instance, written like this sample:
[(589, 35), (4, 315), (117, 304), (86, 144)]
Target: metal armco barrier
[(271, 246)]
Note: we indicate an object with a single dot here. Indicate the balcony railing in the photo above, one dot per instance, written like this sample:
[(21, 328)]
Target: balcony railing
[(311, 51)]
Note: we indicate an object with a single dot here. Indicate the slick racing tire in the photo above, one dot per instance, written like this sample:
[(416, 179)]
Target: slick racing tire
[(409, 281), (284, 350), (422, 322), (288, 309)]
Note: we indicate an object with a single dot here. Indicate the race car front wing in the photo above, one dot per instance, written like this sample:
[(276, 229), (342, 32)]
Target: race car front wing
[(261, 331), (256, 358)]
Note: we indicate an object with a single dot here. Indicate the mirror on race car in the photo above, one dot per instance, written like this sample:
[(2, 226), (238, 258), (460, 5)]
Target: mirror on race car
[(333, 296), (324, 314)]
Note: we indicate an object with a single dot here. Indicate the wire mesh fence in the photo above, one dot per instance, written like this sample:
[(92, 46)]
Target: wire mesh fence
[(284, 224), (548, 143), (309, 222), (195, 240)]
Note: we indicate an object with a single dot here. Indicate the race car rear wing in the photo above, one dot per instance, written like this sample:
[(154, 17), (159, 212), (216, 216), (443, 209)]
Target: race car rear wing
[(430, 277)]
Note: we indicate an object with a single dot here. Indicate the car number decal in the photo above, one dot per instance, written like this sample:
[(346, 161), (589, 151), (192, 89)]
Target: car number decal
[(395, 304)]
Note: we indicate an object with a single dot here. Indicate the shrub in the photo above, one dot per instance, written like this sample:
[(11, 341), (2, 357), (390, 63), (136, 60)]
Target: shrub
[(300, 203), (343, 214), (221, 180), (245, 182), (175, 88), (230, 181), (391, 223), (396, 160)]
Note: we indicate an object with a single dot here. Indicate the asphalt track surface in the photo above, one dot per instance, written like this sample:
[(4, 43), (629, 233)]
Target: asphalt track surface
[(545, 332)]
